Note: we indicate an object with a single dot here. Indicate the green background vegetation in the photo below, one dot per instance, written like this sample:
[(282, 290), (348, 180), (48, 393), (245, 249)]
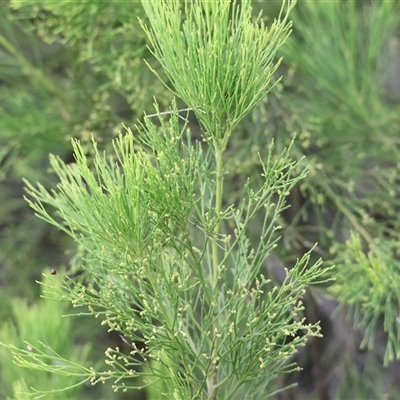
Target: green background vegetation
[(73, 69)]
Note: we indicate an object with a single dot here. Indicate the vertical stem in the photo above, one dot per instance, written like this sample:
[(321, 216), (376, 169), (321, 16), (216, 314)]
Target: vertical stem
[(218, 205), (212, 379)]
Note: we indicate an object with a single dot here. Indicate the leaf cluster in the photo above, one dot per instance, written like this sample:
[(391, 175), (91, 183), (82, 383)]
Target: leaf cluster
[(219, 61)]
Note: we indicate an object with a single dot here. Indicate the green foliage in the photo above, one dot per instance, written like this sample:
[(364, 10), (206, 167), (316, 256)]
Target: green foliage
[(65, 71), (151, 283), (168, 219), (36, 119), (334, 62), (344, 114), (349, 128), (370, 285), (133, 186), (218, 60), (167, 264), (35, 326), (29, 116), (105, 35)]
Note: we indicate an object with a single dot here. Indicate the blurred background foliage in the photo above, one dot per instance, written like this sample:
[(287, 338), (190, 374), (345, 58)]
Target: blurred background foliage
[(75, 69)]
